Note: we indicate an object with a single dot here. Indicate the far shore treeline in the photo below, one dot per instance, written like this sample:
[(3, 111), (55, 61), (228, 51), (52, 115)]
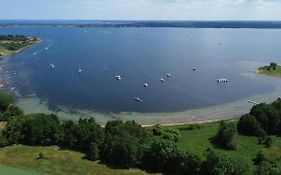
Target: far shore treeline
[(155, 149)]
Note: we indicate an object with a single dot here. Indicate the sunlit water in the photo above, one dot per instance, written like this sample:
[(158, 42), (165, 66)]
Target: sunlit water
[(140, 55)]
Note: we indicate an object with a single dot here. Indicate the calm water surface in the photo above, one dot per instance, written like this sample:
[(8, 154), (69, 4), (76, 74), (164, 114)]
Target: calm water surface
[(139, 55)]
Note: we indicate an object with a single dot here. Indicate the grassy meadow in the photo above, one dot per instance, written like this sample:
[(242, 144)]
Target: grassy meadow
[(197, 140)]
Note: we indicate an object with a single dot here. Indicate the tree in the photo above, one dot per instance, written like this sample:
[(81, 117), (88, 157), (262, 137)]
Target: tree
[(41, 129), (70, 138), (273, 65), (123, 142), (12, 110), (3, 140), (89, 131), (225, 137), (35, 129), (93, 152), (267, 116), (5, 101), (219, 164), (248, 125), (164, 155)]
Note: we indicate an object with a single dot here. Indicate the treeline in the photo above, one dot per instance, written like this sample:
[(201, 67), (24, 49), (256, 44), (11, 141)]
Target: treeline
[(122, 144), (128, 145)]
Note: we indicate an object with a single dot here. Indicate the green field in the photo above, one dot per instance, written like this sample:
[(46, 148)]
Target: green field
[(57, 162), (197, 141), (271, 72), (14, 171)]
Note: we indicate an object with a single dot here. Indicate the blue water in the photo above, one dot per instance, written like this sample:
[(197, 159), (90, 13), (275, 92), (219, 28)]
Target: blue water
[(139, 55)]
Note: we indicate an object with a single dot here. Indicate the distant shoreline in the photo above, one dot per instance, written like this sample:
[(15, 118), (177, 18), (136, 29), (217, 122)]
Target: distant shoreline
[(160, 23)]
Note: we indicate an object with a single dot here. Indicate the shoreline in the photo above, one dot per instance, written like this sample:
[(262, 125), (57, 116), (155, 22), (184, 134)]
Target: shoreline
[(2, 57), (230, 110)]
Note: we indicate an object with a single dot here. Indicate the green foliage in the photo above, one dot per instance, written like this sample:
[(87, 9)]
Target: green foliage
[(3, 141), (41, 155), (123, 143), (165, 133), (226, 136), (5, 100), (12, 110), (93, 152), (219, 164), (267, 168), (36, 129), (86, 136), (248, 125), (268, 142), (15, 42), (260, 157), (273, 65), (267, 116), (164, 155)]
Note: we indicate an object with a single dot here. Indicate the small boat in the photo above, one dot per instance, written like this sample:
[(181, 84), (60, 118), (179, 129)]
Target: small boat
[(118, 77), (194, 68), (52, 66), (145, 84), (46, 48), (15, 73), (168, 75), (222, 80), (162, 80), (79, 70), (13, 88), (137, 99)]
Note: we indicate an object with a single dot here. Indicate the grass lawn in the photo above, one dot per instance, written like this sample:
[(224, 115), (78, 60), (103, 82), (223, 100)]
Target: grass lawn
[(197, 141), (275, 73), (58, 162), (14, 171)]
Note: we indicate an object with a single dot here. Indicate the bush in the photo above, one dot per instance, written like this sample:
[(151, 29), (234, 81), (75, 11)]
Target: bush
[(41, 155), (219, 164), (165, 133), (260, 157), (226, 136), (267, 168)]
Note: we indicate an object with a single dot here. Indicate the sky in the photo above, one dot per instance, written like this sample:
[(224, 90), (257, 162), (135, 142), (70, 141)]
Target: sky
[(142, 9)]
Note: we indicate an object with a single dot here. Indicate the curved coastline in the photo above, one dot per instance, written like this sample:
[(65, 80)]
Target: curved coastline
[(32, 104), (229, 110)]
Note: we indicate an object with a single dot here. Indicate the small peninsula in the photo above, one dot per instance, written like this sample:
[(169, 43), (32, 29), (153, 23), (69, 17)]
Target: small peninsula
[(10, 44), (272, 70)]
